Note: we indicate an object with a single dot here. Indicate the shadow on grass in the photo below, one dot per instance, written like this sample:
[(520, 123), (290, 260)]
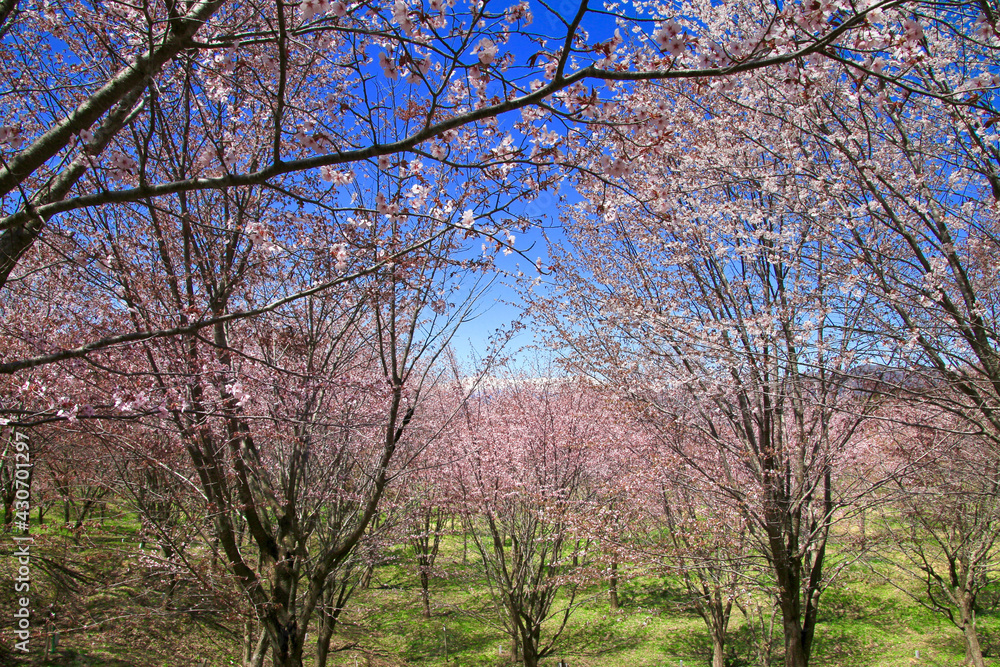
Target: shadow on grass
[(856, 605), (599, 637), (655, 594), (469, 638), (67, 658), (846, 645)]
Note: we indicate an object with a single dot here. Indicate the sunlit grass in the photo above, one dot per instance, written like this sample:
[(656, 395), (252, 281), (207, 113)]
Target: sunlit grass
[(99, 586)]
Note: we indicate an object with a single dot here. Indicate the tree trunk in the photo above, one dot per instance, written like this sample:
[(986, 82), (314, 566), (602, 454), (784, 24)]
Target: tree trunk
[(718, 651), (288, 651), (717, 618), (787, 572), (168, 598), (973, 650), (795, 653), (861, 524), (799, 610), (335, 598), (248, 641), (515, 639), (9, 496), (529, 651), (613, 586), (287, 640), (425, 593), (326, 627), (254, 652), (82, 512)]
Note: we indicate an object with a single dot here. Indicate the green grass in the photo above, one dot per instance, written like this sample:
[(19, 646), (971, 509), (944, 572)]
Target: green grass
[(864, 622), (112, 612)]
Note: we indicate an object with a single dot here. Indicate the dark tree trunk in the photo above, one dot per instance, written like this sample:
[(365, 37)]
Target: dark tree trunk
[(327, 626), (795, 654), (613, 586), (9, 494), (529, 648), (287, 651), (425, 593)]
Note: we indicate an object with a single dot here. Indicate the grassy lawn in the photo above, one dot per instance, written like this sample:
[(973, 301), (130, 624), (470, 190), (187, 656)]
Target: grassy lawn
[(864, 622), (113, 610)]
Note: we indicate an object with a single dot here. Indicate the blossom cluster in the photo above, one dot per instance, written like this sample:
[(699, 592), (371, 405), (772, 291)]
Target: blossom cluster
[(11, 136)]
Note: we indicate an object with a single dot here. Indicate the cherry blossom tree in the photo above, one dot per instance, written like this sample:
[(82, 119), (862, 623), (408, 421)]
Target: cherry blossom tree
[(523, 484), (943, 521), (310, 495), (910, 188), (707, 545), (711, 296), (78, 475), (773, 235), (427, 492), (290, 422), (427, 528), (654, 515), (623, 489), (337, 462), (145, 106), (918, 228)]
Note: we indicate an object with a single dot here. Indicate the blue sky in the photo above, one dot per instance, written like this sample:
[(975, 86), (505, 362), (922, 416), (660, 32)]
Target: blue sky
[(501, 304)]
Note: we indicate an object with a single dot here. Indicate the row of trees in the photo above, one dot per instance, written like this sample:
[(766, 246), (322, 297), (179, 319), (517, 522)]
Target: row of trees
[(563, 491), (784, 259), (236, 240)]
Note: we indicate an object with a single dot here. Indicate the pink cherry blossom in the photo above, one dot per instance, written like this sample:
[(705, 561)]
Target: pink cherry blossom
[(340, 255), (519, 12), (486, 51), (984, 30), (312, 8), (123, 166), (912, 30), (401, 16), (335, 176), (388, 66), (11, 135)]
